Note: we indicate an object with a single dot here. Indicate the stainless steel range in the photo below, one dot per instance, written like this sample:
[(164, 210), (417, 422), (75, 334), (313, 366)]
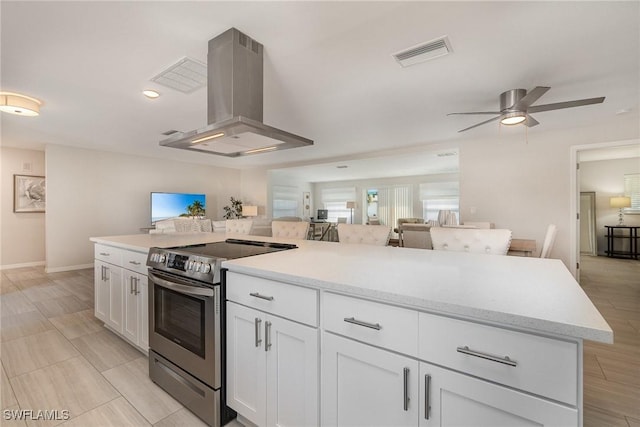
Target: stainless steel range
[(187, 322)]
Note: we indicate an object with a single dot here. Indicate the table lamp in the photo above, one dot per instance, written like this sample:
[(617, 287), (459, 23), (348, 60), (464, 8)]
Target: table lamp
[(249, 210), (620, 202), (351, 206)]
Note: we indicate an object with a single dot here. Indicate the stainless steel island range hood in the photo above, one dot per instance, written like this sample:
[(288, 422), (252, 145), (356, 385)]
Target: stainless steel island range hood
[(234, 91)]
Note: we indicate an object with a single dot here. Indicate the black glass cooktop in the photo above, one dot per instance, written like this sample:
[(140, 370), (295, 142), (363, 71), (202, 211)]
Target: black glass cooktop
[(234, 248)]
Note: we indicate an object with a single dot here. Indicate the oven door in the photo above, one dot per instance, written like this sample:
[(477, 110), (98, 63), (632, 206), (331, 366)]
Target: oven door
[(184, 324)]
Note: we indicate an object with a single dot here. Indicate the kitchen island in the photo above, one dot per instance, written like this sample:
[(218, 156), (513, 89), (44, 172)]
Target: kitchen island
[(337, 334)]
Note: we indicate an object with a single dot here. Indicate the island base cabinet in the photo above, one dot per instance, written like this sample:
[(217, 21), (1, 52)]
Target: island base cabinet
[(136, 309), (366, 386), (272, 368), (449, 399), (109, 295)]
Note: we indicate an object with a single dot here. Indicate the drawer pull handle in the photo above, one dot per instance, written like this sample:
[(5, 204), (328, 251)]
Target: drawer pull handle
[(406, 389), (353, 320), (134, 262), (104, 254), (504, 360), (257, 295)]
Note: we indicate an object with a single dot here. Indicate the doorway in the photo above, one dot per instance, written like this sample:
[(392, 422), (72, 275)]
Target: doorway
[(588, 242)]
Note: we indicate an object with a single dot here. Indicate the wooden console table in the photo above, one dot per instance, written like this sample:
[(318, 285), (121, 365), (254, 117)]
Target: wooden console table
[(628, 233), (524, 247)]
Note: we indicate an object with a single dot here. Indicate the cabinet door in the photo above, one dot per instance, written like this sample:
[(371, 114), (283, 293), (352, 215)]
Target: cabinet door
[(143, 312), (459, 400), (130, 323), (367, 386), (292, 373), (101, 291), (116, 294), (246, 363)]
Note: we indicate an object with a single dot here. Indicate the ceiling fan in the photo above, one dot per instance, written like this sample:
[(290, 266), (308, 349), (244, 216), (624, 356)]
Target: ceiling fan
[(515, 107)]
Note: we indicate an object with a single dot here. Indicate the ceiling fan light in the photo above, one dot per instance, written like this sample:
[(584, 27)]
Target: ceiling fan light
[(513, 118), (16, 103)]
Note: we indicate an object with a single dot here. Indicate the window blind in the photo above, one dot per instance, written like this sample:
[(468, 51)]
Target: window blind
[(632, 190), (285, 201)]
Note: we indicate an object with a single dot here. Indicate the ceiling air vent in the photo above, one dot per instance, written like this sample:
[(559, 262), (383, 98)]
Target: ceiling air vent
[(424, 52), (185, 76)]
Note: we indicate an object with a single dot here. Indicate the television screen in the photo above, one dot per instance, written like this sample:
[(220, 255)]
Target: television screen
[(323, 214), (174, 205)]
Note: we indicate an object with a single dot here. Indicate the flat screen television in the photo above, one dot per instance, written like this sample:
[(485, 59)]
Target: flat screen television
[(174, 205), (323, 214)]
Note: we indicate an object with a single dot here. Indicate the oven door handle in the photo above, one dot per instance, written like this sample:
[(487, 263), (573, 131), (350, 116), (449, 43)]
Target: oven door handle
[(183, 289)]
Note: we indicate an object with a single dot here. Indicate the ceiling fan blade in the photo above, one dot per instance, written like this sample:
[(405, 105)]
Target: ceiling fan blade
[(476, 112), (530, 121), (531, 97), (567, 104), (479, 124)]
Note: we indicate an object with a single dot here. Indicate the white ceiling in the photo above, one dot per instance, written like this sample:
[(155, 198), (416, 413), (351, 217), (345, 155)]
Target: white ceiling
[(329, 74)]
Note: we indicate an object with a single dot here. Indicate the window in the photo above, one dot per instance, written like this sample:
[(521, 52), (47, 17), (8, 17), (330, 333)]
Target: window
[(437, 196), (285, 201), (632, 189), (393, 203), (335, 201)]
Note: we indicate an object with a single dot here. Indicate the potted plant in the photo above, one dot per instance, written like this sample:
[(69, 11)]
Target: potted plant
[(234, 210)]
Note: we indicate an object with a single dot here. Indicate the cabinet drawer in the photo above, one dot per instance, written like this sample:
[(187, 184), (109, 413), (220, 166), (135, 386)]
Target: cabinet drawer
[(288, 301), (108, 254), (543, 366), (374, 323), (135, 261)]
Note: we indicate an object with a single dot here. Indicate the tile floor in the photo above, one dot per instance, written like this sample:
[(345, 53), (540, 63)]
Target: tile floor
[(55, 355)]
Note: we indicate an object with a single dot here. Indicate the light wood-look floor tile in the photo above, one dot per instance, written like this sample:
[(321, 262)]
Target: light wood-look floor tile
[(624, 373), (72, 385), (59, 306), (596, 417), (25, 284), (132, 381), (77, 324), (182, 418), (612, 396), (12, 420), (104, 349), (35, 351), (79, 287), (45, 292), (7, 287), (15, 303), (591, 366), (117, 413), (633, 422), (6, 392), (22, 325)]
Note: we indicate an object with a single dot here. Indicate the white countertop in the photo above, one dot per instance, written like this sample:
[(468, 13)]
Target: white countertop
[(533, 294)]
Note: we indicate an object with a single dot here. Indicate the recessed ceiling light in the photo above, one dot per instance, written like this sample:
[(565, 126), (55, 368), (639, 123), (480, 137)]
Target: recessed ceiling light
[(150, 93), (22, 105), (342, 166)]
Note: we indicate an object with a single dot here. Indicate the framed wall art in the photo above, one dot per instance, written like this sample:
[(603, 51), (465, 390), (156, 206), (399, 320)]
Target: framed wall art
[(29, 193)]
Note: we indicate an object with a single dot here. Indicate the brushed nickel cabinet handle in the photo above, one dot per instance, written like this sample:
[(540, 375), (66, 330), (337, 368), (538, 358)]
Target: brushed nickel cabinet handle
[(105, 254), (267, 335), (257, 323), (131, 285), (406, 389), (427, 396), (257, 295), (354, 321), (134, 262), (504, 360)]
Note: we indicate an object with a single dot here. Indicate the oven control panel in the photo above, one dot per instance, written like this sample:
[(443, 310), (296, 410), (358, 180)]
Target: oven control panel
[(189, 265)]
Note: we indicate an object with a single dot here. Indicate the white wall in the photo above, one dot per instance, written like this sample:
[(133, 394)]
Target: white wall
[(93, 193), (606, 178), (23, 236)]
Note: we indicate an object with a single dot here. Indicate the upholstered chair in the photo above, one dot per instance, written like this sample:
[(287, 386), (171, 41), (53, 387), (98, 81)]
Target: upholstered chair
[(416, 236), (486, 241), (364, 234), (549, 240), (290, 229), (239, 226)]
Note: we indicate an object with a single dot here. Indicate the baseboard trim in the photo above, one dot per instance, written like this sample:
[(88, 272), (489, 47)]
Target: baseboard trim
[(68, 268), (22, 265)]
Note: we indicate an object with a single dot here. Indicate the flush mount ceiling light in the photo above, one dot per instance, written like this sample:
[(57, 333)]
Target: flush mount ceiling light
[(149, 93), (513, 118), (22, 105)]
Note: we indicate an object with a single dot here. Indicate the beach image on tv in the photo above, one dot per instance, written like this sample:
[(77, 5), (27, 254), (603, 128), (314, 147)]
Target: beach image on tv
[(175, 205)]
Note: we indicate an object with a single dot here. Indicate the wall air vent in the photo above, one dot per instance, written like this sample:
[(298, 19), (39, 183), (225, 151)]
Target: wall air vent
[(424, 52), (185, 76)]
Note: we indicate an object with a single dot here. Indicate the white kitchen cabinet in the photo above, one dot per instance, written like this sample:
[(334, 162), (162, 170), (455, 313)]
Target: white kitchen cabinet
[(367, 386), (272, 368), (121, 293), (136, 310), (448, 399)]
